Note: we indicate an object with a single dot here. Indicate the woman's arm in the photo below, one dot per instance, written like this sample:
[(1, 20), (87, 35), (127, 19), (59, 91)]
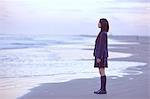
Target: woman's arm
[(101, 46)]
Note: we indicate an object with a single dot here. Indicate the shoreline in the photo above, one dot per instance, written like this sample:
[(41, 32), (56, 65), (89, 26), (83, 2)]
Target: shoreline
[(83, 88), (126, 87)]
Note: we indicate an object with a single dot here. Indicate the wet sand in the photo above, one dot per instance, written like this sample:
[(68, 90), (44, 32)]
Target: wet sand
[(27, 18), (128, 87)]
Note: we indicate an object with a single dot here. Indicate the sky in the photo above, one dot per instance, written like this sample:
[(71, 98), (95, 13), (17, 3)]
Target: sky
[(73, 16)]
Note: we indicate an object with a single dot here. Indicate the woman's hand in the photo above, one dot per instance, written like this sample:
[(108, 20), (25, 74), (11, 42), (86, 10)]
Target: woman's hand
[(98, 60)]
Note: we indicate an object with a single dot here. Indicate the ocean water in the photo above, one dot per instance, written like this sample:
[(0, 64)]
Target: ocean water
[(59, 58), (47, 38)]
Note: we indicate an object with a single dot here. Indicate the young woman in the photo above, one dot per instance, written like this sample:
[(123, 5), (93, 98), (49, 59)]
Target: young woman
[(101, 54)]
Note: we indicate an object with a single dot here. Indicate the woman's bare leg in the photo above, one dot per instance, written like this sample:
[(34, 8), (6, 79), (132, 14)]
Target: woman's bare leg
[(102, 71)]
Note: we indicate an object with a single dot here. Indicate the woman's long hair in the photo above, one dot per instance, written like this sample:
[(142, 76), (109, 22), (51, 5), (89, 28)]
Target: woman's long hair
[(104, 25)]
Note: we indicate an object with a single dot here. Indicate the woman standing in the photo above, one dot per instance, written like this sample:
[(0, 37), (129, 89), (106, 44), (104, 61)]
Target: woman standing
[(101, 54)]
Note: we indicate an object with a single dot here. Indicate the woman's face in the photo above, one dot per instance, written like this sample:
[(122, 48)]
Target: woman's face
[(99, 25)]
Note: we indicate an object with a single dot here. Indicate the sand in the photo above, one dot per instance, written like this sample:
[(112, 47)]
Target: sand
[(128, 87)]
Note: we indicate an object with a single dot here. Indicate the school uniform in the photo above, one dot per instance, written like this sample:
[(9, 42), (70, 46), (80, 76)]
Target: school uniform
[(101, 50)]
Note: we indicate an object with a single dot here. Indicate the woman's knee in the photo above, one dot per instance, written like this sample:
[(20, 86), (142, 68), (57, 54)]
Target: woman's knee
[(102, 71)]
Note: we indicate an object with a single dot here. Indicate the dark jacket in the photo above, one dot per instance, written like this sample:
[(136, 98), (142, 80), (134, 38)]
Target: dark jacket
[(101, 46)]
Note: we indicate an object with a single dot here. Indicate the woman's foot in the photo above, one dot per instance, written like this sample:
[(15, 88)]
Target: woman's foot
[(100, 92)]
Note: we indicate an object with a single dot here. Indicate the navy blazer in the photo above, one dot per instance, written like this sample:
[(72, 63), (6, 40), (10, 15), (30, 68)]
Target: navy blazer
[(101, 46)]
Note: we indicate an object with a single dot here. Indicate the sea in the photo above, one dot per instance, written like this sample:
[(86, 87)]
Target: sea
[(54, 39)]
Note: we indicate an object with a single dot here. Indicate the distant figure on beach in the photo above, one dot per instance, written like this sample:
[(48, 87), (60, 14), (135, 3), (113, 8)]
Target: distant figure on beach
[(101, 54)]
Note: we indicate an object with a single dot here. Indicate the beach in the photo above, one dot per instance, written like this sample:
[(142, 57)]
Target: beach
[(128, 87), (134, 83), (46, 49), (124, 88)]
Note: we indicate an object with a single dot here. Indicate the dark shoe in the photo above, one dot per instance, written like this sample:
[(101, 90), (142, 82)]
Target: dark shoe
[(100, 92)]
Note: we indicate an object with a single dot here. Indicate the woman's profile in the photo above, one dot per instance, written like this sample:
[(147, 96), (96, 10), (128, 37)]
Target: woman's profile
[(101, 54)]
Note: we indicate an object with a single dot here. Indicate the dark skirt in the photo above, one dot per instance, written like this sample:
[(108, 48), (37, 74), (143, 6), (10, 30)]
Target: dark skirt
[(102, 64)]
